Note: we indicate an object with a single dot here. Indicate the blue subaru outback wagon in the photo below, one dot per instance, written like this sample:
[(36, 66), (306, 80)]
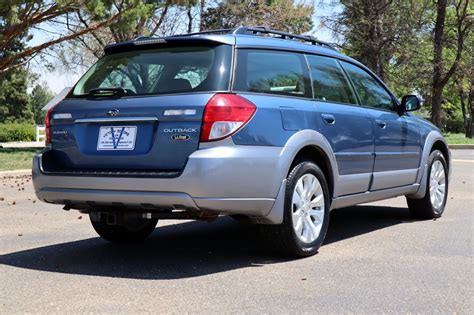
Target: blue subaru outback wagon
[(273, 127)]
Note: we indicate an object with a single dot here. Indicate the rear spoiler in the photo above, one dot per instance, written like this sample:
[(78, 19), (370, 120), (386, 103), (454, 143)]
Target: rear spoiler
[(142, 43)]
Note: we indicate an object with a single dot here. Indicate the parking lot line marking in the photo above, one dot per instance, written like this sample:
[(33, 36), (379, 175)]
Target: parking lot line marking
[(467, 161)]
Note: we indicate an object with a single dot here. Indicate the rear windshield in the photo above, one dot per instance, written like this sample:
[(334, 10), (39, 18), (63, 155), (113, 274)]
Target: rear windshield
[(160, 71)]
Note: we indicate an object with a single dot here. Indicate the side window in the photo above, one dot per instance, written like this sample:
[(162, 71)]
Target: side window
[(329, 81), (271, 72), (370, 91)]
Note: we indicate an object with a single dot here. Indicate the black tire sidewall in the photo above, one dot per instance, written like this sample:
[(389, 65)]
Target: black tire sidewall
[(298, 171)]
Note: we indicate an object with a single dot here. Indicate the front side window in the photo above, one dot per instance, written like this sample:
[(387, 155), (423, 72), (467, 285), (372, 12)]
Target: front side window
[(370, 91), (160, 71), (271, 72), (329, 81)]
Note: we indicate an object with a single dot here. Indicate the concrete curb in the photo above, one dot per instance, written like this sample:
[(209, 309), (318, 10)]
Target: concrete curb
[(461, 146), (16, 172), (22, 145)]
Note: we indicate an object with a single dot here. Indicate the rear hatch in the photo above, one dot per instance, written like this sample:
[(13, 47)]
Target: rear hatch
[(137, 111)]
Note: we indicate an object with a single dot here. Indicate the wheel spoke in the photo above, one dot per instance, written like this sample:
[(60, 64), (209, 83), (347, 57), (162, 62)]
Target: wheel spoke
[(312, 229), (299, 225), (297, 212), (442, 188), (296, 199), (313, 187), (318, 215), (299, 189), (317, 201), (306, 186), (305, 230), (442, 177)]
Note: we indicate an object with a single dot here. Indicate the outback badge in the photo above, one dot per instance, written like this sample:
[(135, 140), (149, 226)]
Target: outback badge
[(180, 137)]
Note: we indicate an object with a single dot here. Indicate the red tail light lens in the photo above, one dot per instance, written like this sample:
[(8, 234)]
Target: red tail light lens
[(224, 114), (47, 123)]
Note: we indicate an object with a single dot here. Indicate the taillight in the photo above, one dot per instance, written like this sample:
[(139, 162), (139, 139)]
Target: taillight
[(47, 123), (224, 114)]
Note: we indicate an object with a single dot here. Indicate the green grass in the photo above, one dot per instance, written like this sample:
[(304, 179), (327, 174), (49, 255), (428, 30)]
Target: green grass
[(16, 158), (458, 138)]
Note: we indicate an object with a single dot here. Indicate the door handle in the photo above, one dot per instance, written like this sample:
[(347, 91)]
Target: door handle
[(328, 119), (382, 124)]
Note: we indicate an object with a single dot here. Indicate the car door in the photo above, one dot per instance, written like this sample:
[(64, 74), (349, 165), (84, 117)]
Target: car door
[(397, 138), (346, 125)]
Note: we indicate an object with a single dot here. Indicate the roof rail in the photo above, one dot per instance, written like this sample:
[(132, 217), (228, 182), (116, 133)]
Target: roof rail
[(256, 31), (259, 30), (210, 32)]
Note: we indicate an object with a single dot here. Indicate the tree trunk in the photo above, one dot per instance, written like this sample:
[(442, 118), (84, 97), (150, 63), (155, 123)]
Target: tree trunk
[(462, 100), (437, 88), (201, 12), (190, 17), (470, 102)]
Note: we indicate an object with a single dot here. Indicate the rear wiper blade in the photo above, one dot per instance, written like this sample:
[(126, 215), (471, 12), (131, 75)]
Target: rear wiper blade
[(108, 92)]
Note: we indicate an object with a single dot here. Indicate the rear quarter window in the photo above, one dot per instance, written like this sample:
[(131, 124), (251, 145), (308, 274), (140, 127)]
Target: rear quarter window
[(271, 72)]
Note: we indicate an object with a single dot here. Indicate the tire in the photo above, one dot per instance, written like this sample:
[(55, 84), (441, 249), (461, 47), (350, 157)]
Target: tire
[(287, 238), (131, 228), (432, 204)]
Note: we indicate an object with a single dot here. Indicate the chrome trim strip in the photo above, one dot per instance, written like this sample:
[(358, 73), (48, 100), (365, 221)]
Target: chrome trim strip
[(115, 119)]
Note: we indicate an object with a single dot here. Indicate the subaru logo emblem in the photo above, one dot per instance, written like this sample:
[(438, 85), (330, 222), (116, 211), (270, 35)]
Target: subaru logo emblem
[(113, 112)]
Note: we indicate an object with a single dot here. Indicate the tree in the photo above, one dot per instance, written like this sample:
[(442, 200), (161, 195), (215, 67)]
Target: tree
[(374, 31), (40, 96), (20, 16), (137, 18), (440, 75), (14, 99), (416, 46), (284, 15)]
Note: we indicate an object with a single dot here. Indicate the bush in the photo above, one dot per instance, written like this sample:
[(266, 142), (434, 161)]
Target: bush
[(17, 132), (454, 123)]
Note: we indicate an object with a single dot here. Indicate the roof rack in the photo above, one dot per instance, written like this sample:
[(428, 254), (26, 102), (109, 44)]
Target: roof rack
[(260, 31), (219, 31)]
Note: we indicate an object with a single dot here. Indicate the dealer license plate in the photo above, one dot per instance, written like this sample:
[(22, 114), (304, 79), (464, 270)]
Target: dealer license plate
[(116, 138)]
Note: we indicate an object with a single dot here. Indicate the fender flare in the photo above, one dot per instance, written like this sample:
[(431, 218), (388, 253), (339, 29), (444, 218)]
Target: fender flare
[(295, 143)]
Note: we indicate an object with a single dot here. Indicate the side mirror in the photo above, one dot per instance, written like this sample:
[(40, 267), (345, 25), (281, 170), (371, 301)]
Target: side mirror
[(410, 103)]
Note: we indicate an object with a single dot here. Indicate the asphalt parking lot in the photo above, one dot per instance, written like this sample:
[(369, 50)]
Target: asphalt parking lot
[(375, 259)]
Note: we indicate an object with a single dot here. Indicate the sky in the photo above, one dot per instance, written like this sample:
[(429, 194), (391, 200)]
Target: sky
[(59, 79)]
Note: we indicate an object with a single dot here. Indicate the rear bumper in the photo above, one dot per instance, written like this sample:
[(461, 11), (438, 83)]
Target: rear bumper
[(226, 179)]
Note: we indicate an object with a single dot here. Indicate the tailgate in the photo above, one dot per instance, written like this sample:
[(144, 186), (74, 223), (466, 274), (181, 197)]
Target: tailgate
[(137, 133)]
